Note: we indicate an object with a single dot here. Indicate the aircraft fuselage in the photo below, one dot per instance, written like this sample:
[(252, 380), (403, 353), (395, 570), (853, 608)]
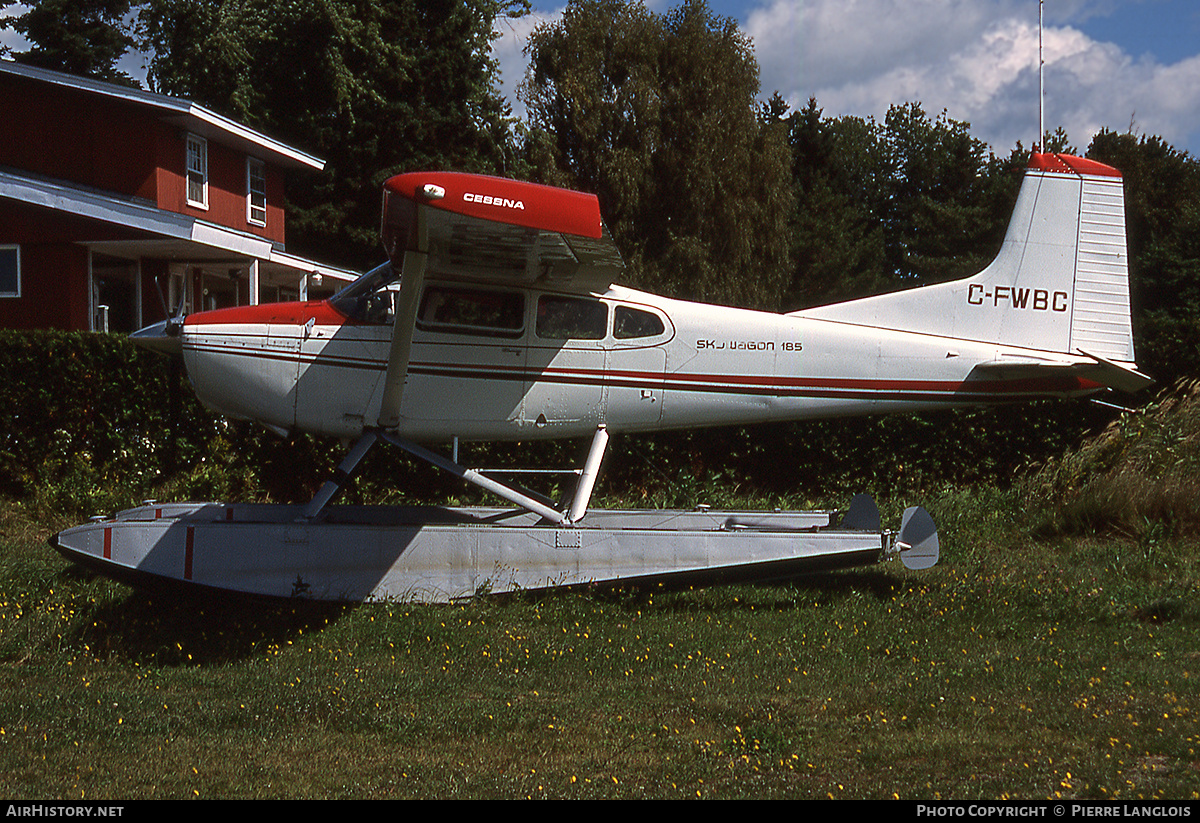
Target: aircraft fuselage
[(490, 362)]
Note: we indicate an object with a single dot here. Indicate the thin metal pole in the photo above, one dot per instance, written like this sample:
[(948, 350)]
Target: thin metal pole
[(1041, 82), (472, 476), (587, 480)]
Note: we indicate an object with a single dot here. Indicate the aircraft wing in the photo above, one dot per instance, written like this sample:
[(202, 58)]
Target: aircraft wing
[(488, 230)]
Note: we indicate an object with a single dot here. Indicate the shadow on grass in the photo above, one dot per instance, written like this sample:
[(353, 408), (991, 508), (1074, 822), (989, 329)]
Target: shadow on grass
[(186, 625), (167, 624), (784, 593), (878, 584)]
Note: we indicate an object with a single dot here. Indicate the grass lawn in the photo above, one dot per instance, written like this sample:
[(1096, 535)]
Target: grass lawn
[(1016, 668)]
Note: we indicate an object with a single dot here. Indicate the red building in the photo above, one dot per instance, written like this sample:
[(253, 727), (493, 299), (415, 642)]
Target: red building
[(114, 200)]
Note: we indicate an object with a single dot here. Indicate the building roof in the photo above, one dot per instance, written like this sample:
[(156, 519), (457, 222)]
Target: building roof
[(178, 112)]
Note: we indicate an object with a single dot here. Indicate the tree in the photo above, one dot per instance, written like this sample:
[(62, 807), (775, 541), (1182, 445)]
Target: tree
[(374, 88), (83, 37), (656, 114), (884, 206), (936, 218), (838, 236)]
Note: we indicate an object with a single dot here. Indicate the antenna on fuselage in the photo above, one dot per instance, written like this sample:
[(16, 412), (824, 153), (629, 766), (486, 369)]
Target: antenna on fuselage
[(1041, 82)]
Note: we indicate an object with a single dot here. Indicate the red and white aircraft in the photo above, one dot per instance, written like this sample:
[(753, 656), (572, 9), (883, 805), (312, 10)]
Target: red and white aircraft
[(496, 318)]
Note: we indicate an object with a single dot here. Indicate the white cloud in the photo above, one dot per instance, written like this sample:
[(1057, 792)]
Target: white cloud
[(975, 58), (9, 39), (509, 52)]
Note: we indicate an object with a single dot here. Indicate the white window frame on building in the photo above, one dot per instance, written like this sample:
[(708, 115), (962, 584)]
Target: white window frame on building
[(197, 171), (10, 252), (256, 191)]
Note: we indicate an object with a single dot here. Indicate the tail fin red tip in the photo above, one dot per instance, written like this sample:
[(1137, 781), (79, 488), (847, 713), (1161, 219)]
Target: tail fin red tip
[(1068, 164)]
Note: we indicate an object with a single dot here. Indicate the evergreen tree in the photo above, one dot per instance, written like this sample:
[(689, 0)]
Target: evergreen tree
[(898, 204), (838, 236), (83, 37), (936, 215)]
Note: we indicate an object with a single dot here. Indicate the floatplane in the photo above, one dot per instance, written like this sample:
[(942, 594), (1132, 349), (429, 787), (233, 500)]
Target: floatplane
[(496, 317)]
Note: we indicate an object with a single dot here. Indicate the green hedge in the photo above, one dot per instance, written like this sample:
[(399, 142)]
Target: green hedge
[(90, 422), (91, 404)]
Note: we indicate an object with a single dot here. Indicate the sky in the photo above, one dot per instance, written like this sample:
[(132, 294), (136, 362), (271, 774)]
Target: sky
[(1124, 65)]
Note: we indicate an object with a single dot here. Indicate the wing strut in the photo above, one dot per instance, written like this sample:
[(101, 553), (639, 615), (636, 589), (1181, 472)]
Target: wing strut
[(412, 276), (341, 476)]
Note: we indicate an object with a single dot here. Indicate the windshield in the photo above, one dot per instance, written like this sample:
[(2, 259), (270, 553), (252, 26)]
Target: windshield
[(352, 300)]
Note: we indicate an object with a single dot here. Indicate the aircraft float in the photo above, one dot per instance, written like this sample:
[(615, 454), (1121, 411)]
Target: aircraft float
[(496, 317)]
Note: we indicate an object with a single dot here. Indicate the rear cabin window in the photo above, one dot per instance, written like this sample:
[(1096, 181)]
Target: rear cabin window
[(629, 324), (472, 311), (571, 318)]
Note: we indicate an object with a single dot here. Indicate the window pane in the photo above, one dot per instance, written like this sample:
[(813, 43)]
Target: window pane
[(256, 192), (196, 155), (629, 323), (10, 271), (197, 171), (561, 318), (471, 310)]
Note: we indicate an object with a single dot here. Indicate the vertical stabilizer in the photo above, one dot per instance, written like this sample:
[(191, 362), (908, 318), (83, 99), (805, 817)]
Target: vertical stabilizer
[(1060, 282)]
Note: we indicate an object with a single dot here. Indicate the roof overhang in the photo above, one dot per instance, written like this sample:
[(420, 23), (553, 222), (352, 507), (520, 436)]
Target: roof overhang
[(147, 231), (180, 113)]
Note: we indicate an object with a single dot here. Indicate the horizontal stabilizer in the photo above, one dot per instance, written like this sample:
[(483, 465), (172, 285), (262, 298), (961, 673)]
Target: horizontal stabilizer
[(1095, 369), (1116, 375)]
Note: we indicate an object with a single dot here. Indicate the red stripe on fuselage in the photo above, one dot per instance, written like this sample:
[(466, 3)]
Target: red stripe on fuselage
[(207, 339), (782, 386), (296, 314)]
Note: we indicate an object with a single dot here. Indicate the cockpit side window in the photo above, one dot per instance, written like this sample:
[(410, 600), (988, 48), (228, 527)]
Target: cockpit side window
[(466, 310), (571, 318), (630, 323), (368, 299)]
